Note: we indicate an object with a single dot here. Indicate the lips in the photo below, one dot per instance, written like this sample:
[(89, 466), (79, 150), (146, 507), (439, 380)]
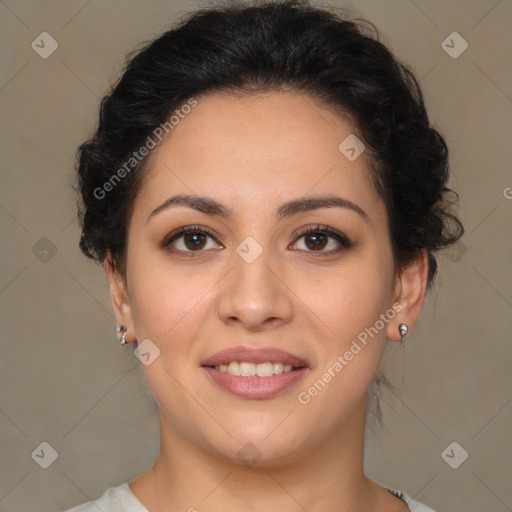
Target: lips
[(248, 385), (255, 356)]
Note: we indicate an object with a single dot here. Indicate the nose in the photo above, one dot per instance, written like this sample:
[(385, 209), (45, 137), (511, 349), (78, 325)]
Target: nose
[(255, 295)]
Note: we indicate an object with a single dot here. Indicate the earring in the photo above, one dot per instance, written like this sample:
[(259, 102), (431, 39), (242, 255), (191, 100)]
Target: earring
[(124, 330), (402, 328)]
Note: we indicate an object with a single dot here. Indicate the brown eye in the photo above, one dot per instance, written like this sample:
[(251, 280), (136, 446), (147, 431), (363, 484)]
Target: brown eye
[(194, 240), (317, 239), (191, 239)]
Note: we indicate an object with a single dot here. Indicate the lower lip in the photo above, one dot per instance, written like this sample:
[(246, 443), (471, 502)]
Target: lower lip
[(256, 387)]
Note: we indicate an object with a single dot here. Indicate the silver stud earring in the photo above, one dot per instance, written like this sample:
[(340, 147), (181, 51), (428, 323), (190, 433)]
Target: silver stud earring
[(124, 330), (402, 328)]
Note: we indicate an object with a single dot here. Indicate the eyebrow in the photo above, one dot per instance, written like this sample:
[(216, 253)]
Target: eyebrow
[(212, 207)]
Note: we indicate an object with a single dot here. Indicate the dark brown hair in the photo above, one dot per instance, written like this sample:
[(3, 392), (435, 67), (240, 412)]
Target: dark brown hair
[(273, 46)]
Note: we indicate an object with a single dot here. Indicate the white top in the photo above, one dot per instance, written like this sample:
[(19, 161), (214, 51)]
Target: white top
[(121, 499)]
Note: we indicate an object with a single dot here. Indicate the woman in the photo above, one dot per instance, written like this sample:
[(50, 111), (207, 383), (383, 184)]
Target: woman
[(267, 196)]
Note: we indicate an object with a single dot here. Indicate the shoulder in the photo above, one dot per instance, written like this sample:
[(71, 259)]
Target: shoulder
[(414, 506), (114, 499)]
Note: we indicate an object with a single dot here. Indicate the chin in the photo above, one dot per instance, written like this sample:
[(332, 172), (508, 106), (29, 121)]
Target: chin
[(256, 447)]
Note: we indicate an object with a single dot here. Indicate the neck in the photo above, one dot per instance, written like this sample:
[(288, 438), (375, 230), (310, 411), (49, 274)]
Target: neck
[(329, 477)]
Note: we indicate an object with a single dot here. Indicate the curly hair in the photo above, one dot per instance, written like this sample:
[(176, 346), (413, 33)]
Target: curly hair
[(271, 46)]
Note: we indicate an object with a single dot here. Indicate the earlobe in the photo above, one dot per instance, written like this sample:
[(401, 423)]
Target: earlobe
[(411, 289), (119, 296)]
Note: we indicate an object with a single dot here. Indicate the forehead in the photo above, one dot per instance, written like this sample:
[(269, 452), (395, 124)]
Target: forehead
[(250, 151)]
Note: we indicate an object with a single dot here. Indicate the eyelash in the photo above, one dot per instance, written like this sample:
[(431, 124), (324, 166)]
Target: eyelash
[(344, 242)]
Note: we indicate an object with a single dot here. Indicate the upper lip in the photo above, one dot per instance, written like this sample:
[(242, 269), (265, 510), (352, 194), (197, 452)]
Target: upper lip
[(254, 355)]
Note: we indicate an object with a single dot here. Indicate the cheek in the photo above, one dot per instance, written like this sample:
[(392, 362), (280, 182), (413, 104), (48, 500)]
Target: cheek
[(171, 305), (351, 307), (348, 299), (350, 302)]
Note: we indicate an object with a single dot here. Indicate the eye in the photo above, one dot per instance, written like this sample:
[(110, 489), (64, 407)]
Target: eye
[(189, 239), (317, 239), (195, 239)]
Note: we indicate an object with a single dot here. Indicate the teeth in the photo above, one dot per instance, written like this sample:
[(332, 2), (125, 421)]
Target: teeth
[(278, 368), (233, 368), (264, 369), (245, 369)]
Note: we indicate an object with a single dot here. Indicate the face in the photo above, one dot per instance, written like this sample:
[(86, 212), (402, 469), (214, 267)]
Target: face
[(307, 284)]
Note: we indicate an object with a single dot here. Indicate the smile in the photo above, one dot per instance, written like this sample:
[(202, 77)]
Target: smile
[(255, 381), (246, 369), (255, 373)]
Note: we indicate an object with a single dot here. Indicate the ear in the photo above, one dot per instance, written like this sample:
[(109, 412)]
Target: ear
[(411, 286), (119, 298)]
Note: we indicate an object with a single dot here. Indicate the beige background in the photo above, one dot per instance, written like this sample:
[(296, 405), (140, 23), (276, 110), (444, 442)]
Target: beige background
[(65, 380)]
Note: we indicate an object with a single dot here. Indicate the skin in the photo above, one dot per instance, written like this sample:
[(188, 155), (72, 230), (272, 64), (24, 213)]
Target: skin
[(252, 153)]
